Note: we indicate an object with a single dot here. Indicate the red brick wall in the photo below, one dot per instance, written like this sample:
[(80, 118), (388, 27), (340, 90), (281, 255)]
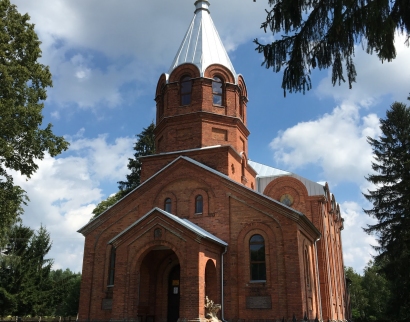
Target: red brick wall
[(234, 214), (325, 215)]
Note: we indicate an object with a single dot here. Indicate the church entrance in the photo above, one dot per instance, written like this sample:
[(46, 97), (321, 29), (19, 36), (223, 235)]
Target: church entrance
[(173, 294), (158, 286)]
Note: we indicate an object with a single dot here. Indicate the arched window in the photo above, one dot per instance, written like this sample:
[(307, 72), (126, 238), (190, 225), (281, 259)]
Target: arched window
[(186, 90), (168, 205), (217, 91), (257, 258), (111, 269), (199, 204)]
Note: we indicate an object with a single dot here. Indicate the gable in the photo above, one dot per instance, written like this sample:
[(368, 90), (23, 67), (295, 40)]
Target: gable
[(156, 215)]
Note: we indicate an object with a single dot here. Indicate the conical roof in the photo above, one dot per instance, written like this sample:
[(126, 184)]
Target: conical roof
[(202, 45)]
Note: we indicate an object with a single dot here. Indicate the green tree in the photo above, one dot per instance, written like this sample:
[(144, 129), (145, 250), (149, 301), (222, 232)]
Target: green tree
[(24, 271), (358, 299), (106, 204), (65, 292), (71, 302), (323, 34), (377, 292), (145, 145), (11, 269), (369, 294), (391, 205), (23, 83)]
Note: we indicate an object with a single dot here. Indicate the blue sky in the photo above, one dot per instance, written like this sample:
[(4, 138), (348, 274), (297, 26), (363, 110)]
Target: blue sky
[(106, 58)]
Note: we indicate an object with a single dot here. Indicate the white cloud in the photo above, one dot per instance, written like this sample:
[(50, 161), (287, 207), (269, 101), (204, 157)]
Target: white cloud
[(65, 190), (141, 33), (357, 250), (107, 161), (336, 142)]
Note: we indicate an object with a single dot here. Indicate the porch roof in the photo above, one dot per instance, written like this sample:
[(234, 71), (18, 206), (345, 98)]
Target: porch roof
[(183, 222)]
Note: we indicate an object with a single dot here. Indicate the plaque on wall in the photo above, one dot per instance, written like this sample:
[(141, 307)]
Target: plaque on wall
[(258, 302), (106, 304)]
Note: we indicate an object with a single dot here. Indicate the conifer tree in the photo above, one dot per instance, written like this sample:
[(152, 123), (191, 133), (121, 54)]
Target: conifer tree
[(145, 145), (391, 205), (24, 270), (324, 33)]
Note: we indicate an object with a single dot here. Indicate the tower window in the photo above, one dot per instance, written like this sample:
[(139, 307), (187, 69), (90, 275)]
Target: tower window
[(257, 258), (186, 90), (168, 205), (162, 101), (199, 204), (217, 91), (241, 103)]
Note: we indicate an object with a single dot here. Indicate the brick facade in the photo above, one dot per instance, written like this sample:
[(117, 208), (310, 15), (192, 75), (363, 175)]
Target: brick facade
[(141, 262)]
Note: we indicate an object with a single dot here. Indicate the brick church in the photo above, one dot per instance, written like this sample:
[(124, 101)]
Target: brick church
[(206, 221)]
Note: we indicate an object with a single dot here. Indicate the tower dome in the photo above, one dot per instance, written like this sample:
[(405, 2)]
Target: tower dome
[(202, 45)]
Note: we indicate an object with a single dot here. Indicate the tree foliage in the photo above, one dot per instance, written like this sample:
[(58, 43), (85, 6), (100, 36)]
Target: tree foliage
[(23, 83), (358, 300), (11, 200), (24, 272), (323, 33), (391, 204), (377, 292), (145, 145), (106, 204), (28, 286), (65, 286), (369, 294)]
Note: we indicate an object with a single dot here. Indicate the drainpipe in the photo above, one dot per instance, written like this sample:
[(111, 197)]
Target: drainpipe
[(222, 285), (318, 281)]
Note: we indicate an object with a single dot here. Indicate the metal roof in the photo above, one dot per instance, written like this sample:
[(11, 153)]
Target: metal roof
[(184, 222), (202, 45), (266, 174), (266, 171)]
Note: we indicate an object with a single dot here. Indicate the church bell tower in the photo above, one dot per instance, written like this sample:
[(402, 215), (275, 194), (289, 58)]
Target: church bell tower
[(201, 101)]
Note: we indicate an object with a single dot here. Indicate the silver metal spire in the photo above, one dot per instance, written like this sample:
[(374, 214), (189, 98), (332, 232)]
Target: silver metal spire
[(201, 45)]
